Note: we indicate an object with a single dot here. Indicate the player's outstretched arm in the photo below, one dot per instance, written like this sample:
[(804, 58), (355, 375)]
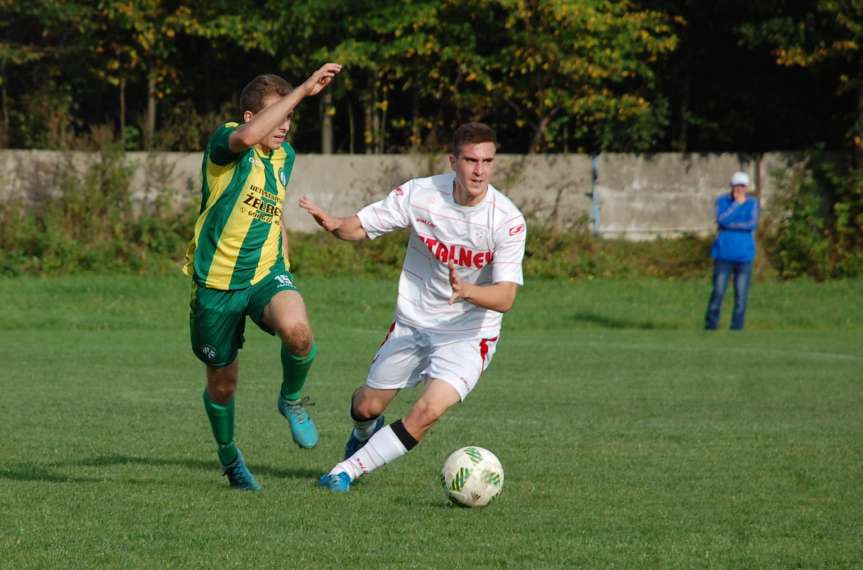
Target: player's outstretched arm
[(497, 297), (251, 133), (349, 229)]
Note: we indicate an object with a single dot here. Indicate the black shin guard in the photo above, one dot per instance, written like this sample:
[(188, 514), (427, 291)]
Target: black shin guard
[(407, 439)]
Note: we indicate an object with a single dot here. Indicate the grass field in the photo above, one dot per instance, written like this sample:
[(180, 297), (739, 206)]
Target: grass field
[(630, 437)]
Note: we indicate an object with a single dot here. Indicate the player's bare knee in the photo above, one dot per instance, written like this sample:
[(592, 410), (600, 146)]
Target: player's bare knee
[(221, 392), (297, 338), (366, 408), (222, 382)]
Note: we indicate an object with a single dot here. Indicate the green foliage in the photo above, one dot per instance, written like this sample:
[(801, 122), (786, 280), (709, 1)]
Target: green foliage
[(551, 76), (321, 255), (587, 64), (549, 254), (550, 72), (94, 225), (551, 68), (821, 231), (578, 254), (84, 218), (130, 137), (45, 119), (817, 35), (185, 128), (89, 222)]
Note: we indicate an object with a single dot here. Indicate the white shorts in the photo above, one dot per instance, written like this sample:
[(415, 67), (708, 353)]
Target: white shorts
[(409, 356)]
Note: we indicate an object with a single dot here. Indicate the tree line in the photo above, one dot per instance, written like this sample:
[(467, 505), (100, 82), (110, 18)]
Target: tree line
[(550, 75)]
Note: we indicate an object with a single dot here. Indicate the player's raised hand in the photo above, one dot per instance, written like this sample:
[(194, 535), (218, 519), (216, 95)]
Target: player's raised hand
[(349, 228), (320, 215), (321, 78)]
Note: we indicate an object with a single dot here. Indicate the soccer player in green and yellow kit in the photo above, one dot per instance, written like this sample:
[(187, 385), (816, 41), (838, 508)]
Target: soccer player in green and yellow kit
[(238, 261)]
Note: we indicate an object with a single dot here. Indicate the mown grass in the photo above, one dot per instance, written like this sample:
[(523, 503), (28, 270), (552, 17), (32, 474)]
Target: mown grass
[(630, 437)]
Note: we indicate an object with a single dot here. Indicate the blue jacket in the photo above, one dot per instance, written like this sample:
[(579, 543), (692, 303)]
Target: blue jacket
[(737, 222)]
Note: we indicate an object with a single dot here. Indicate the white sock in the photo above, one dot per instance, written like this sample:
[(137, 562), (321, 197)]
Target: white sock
[(382, 448)]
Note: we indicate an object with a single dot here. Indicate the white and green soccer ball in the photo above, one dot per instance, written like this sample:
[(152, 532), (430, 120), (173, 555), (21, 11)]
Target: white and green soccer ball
[(472, 476)]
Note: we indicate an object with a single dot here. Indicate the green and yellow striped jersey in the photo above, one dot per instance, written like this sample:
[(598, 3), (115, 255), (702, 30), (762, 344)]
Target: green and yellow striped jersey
[(238, 235)]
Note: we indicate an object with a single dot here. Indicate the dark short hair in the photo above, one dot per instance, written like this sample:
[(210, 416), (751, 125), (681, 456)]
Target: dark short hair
[(261, 87), (472, 133)]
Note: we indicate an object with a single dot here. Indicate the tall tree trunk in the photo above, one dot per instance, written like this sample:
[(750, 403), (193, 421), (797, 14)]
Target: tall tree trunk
[(4, 140), (681, 143), (376, 121), (327, 122), (123, 111), (415, 122), (368, 126), (382, 126), (150, 125), (351, 127), (857, 136), (566, 138), (539, 134)]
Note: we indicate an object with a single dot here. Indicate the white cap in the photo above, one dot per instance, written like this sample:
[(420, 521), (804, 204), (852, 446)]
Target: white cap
[(740, 179)]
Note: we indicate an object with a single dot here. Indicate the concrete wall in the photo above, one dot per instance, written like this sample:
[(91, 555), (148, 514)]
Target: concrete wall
[(616, 195), (642, 196)]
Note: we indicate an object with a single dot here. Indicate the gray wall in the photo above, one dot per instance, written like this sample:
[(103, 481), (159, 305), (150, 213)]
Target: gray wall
[(616, 195)]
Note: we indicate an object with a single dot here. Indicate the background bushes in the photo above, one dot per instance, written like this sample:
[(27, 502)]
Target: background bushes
[(91, 223)]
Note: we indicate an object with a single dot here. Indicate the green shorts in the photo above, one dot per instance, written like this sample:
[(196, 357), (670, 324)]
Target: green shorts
[(217, 319)]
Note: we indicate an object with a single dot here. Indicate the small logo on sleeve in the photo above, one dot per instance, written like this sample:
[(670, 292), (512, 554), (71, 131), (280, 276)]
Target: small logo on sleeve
[(516, 229), (398, 191)]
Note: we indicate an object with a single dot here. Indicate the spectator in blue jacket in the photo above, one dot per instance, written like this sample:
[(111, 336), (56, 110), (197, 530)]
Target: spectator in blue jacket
[(733, 250)]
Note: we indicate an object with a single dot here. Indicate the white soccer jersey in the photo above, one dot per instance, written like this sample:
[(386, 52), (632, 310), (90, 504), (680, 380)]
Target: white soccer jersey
[(486, 243)]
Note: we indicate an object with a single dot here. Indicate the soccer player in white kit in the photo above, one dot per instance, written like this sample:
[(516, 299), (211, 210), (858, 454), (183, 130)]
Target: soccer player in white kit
[(460, 274)]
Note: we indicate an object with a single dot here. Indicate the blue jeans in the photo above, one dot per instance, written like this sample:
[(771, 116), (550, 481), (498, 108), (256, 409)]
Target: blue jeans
[(722, 270)]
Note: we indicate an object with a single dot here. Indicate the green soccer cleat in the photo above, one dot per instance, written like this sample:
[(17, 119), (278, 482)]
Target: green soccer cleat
[(336, 482), (354, 444), (239, 475), (303, 429)]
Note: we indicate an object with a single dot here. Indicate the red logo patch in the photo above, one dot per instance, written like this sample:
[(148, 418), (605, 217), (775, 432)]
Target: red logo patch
[(399, 191), (516, 229)]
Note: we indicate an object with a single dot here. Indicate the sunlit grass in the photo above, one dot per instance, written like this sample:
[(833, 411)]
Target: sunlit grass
[(629, 436)]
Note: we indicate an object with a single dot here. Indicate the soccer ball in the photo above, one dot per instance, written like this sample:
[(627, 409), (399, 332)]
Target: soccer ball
[(472, 476)]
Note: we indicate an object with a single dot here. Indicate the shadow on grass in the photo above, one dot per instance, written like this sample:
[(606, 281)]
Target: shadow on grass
[(199, 464), (443, 503), (30, 472), (46, 473), (612, 323)]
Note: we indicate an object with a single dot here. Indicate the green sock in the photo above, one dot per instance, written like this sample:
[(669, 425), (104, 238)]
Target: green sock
[(295, 369), (222, 422)]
